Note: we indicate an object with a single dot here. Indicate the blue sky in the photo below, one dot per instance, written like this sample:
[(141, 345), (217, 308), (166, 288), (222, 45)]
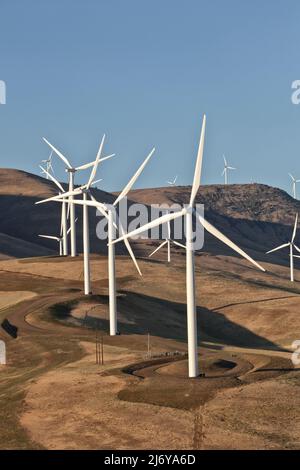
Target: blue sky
[(144, 72)]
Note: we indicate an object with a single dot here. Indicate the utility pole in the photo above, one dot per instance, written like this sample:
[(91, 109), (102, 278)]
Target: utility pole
[(148, 347), (99, 348)]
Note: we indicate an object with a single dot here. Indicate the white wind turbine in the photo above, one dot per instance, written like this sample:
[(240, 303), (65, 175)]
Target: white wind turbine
[(226, 168), (167, 242), (109, 212), (71, 170), (49, 166), (291, 245), (85, 192), (294, 182), (187, 213), (64, 216), (58, 239), (172, 183)]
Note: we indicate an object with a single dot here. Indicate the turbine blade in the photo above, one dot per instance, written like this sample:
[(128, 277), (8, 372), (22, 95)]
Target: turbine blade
[(98, 205), (198, 167), (278, 248), (96, 181), (85, 166), (62, 196), (211, 229), (292, 177), (52, 178), (297, 248), (49, 236), (101, 207), (134, 178), (295, 228), (95, 167), (90, 164), (224, 160), (107, 157), (158, 248), (129, 249), (59, 154), (178, 244), (154, 223)]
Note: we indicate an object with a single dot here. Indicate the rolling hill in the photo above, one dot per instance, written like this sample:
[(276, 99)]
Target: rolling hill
[(255, 216)]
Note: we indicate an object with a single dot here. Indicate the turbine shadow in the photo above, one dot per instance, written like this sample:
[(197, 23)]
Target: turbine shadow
[(142, 314)]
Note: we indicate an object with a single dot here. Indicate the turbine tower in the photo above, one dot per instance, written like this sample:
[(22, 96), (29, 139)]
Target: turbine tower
[(291, 246), (294, 182), (226, 168), (188, 213), (71, 170)]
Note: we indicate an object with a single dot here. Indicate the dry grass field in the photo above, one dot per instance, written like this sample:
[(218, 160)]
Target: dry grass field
[(53, 395)]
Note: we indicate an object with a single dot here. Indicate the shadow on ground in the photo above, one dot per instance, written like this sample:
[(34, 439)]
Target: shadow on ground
[(142, 314)]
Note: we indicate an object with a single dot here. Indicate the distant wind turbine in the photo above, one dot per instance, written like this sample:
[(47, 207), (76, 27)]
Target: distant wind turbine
[(226, 168), (58, 239), (292, 245), (71, 170), (49, 166), (64, 214), (85, 192), (294, 182), (172, 183), (167, 242)]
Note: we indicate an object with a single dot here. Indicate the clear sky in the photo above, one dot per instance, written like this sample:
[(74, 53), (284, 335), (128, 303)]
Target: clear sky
[(144, 72)]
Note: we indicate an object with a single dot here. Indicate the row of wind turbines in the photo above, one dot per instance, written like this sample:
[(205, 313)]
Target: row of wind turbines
[(226, 170), (68, 199)]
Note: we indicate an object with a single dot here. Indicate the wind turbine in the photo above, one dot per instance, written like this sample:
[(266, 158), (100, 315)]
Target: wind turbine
[(292, 245), (58, 239), (226, 168), (109, 212), (294, 182), (172, 183), (71, 170), (188, 213), (64, 216), (167, 242), (49, 166), (85, 192)]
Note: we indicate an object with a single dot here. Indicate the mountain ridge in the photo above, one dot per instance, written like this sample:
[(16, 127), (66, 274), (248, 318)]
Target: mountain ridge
[(255, 216)]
